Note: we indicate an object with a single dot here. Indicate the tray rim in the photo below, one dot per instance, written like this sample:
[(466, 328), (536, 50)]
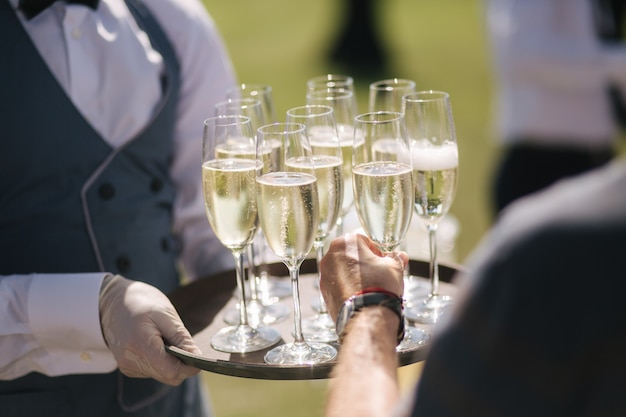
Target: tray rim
[(261, 370)]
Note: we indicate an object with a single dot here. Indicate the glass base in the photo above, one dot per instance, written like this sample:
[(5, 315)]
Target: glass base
[(319, 328), (309, 353), (413, 338), (242, 339), (258, 314), (427, 310)]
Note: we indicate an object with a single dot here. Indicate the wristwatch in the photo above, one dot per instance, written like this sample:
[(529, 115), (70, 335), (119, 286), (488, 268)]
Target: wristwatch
[(358, 301)]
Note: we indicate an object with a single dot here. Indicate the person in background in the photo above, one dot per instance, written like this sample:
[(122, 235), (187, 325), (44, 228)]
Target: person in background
[(101, 208), (553, 67), (539, 329), (359, 47)]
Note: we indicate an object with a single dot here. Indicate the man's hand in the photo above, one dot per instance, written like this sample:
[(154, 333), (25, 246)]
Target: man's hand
[(137, 319), (352, 263)]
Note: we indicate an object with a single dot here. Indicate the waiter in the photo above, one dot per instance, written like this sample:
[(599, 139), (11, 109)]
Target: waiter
[(101, 108)]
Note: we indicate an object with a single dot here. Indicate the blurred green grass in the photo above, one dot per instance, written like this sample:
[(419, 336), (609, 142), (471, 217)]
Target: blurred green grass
[(438, 43)]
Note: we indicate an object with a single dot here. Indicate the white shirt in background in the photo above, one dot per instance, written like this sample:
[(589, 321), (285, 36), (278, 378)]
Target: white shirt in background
[(552, 72)]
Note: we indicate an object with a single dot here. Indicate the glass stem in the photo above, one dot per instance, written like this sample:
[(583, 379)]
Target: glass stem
[(253, 276), (263, 274), (243, 311), (407, 269), (294, 272), (339, 225), (319, 250), (434, 267)]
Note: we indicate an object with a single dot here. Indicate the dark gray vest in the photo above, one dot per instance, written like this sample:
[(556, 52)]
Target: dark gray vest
[(70, 203)]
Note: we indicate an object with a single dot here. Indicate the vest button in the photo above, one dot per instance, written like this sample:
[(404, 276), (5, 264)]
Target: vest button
[(106, 191), (123, 264), (156, 185), (165, 244)]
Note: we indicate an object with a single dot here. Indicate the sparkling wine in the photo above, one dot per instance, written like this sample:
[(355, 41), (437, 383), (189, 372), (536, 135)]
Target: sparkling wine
[(236, 148), (384, 199), (345, 141), (289, 213), (230, 199), (328, 171), (270, 154), (435, 171)]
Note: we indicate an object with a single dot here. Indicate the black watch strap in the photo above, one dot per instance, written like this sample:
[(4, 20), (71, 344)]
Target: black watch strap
[(355, 303)]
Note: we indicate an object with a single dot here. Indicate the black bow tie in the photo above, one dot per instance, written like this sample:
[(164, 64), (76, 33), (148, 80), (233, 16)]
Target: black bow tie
[(32, 8)]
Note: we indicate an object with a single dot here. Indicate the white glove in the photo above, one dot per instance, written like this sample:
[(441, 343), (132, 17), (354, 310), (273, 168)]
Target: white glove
[(137, 319)]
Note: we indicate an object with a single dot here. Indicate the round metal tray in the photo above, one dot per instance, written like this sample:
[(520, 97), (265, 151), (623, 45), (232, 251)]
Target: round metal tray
[(202, 303)]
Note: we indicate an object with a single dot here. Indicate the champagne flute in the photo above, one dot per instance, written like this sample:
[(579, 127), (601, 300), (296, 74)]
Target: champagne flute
[(336, 83), (430, 127), (288, 204), (387, 94), (261, 92), (271, 288), (342, 99), (260, 309), (229, 187), (383, 187), (344, 108), (330, 81), (381, 169), (326, 151), (245, 106)]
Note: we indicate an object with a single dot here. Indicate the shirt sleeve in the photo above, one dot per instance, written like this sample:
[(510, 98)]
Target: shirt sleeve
[(206, 74), (50, 323)]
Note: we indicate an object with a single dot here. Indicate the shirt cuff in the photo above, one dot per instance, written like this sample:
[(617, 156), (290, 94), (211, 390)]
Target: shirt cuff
[(64, 316)]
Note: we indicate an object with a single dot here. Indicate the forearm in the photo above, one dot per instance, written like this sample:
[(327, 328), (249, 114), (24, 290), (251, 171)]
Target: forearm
[(365, 380)]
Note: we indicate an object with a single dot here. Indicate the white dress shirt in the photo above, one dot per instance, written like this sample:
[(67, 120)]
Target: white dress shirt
[(552, 72), (49, 323)]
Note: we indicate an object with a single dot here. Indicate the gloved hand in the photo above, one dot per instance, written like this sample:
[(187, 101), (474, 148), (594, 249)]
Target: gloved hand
[(136, 320)]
